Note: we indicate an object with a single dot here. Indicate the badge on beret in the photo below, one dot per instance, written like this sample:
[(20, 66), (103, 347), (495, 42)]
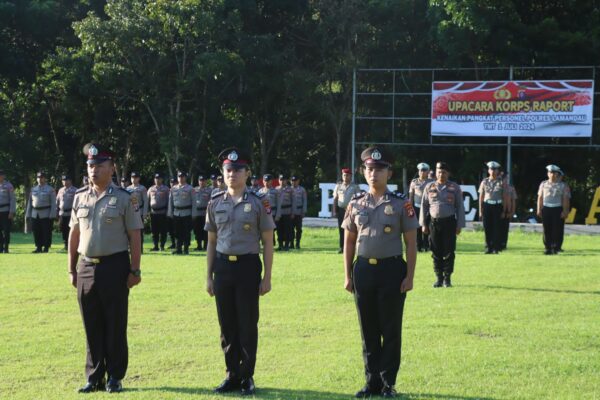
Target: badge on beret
[(233, 156), (246, 227), (376, 155), (387, 229), (247, 207), (93, 151), (112, 201), (388, 210)]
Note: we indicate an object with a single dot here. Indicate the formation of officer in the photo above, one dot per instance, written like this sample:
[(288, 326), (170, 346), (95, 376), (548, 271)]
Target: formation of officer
[(201, 199), (158, 199), (41, 210), (376, 225), (103, 264), (8, 208), (140, 193), (299, 206), (442, 216), (181, 209), (254, 184), (64, 204), (493, 207), (285, 214), (272, 195), (342, 194), (415, 193), (237, 221), (553, 207)]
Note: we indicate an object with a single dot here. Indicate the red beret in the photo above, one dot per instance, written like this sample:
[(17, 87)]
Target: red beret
[(346, 171)]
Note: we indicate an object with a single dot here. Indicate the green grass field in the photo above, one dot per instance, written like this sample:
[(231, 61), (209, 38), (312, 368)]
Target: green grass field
[(519, 325)]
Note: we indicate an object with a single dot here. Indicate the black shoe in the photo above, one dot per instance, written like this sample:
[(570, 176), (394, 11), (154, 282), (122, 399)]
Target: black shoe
[(114, 386), (366, 392), (228, 385), (388, 392), (248, 387), (297, 246), (38, 250), (340, 251), (447, 282), (489, 251), (548, 252), (439, 282), (495, 252), (92, 387), (155, 248), (186, 251), (178, 251), (45, 250), (5, 251), (162, 248), (292, 246), (559, 250), (172, 246)]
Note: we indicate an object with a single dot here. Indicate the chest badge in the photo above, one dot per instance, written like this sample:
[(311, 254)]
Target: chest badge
[(109, 220), (388, 210), (246, 227), (112, 201), (387, 229), (247, 208)]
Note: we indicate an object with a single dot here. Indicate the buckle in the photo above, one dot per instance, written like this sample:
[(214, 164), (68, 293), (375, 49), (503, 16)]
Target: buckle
[(232, 258), (92, 260), (373, 261)]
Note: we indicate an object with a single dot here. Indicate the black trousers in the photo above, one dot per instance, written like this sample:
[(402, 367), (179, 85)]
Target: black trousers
[(200, 234), (172, 234), (561, 234), (422, 238), (505, 227), (236, 285), (5, 224), (297, 229), (442, 237), (160, 226), (103, 301), (380, 306), (553, 227), (183, 231), (42, 232), (64, 228), (284, 230), (341, 212), (492, 224)]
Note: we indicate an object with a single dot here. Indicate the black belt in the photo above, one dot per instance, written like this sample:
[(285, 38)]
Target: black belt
[(183, 208), (299, 207), (159, 208), (200, 208), (41, 208), (233, 258), (65, 210), (99, 260), (286, 206), (375, 261), (442, 219), (4, 205)]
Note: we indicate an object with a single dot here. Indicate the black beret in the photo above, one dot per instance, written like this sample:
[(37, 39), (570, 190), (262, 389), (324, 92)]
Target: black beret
[(234, 157), (267, 177), (135, 174), (97, 153), (376, 156), (442, 165)]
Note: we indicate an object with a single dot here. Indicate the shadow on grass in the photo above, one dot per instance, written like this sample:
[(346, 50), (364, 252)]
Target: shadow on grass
[(274, 393), (597, 292)]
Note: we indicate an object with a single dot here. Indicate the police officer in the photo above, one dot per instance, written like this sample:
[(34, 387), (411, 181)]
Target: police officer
[(254, 186), (553, 206), (511, 209), (158, 198), (380, 277), (219, 185), (443, 203), (41, 208), (493, 207), (202, 197), (140, 192), (64, 204), (272, 194), (285, 214), (415, 194), (342, 194), (561, 233), (237, 220), (181, 209), (104, 263), (8, 207), (171, 222), (299, 205), (124, 182)]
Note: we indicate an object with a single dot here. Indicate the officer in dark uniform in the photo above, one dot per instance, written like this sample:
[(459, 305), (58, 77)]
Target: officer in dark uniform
[(64, 204), (443, 203), (553, 206), (415, 194), (299, 205), (285, 214), (104, 263), (158, 197), (202, 197), (375, 223), (236, 221), (41, 208), (181, 209), (8, 207), (493, 203)]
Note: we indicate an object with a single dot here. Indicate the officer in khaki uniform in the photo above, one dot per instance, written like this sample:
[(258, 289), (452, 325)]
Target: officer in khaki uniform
[(272, 194), (172, 183), (415, 194), (236, 221), (493, 203), (202, 197), (254, 185), (511, 209), (139, 191), (342, 194), (553, 206), (64, 204), (181, 209), (158, 198), (376, 224), (218, 185), (443, 202), (285, 214), (299, 204), (41, 208), (8, 208), (104, 263)]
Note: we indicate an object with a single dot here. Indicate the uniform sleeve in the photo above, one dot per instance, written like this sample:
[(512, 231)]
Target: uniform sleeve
[(541, 189), (408, 218), (481, 188), (74, 221), (304, 202), (265, 220), (210, 225), (170, 204), (28, 209), (460, 208), (52, 203), (58, 197), (348, 223), (567, 191), (12, 200), (195, 195), (132, 215), (145, 201), (411, 188), (424, 207)]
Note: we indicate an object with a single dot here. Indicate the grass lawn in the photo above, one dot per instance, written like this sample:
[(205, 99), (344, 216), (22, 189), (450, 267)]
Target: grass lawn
[(519, 325)]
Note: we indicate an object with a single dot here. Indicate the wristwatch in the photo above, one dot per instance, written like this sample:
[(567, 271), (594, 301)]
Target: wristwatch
[(135, 272)]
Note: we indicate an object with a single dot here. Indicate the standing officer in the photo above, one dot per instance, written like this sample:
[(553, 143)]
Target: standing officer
[(202, 197), (379, 278), (105, 224), (237, 220), (553, 206), (254, 186), (8, 207), (219, 185), (299, 205), (158, 197), (181, 202), (511, 209), (124, 182), (41, 208), (272, 194), (342, 194), (415, 194), (64, 204), (171, 222), (141, 193), (285, 214), (443, 202), (493, 207)]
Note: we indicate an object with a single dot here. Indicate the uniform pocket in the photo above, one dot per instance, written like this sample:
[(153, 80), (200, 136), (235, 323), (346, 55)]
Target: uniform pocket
[(221, 218)]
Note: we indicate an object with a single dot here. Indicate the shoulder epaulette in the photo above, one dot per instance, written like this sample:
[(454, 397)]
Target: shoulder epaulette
[(221, 193), (359, 195), (124, 190), (82, 189), (259, 195), (399, 195)]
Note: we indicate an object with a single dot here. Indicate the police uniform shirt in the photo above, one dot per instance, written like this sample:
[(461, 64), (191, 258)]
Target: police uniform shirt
[(554, 193), (272, 195), (64, 200), (181, 201), (141, 193), (379, 226), (201, 200), (239, 225), (492, 190), (104, 220), (441, 201), (299, 200), (416, 188), (158, 197), (42, 202), (345, 193), (284, 207), (7, 198)]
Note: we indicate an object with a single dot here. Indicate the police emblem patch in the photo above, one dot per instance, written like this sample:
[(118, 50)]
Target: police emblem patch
[(387, 229), (233, 156), (246, 227), (388, 210), (247, 207), (112, 201), (93, 151), (376, 155)]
